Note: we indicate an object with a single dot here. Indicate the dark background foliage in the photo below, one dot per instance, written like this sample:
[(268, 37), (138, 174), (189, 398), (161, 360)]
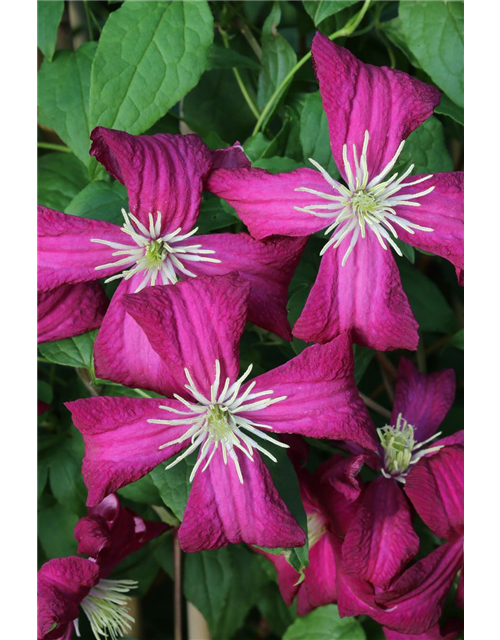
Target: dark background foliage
[(228, 71)]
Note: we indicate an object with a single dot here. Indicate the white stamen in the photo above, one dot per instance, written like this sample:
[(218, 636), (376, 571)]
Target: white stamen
[(365, 204), (106, 608), (221, 418), (159, 258)]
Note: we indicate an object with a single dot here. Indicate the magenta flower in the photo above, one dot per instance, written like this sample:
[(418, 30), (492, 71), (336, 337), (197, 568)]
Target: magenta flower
[(380, 540), (70, 310), (195, 328), (371, 111), (164, 176), (450, 631), (108, 534)]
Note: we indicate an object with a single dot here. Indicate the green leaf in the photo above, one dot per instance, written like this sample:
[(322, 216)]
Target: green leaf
[(60, 177), (71, 352), (448, 108), (55, 531), (214, 215), (143, 491), (222, 58), (362, 358), (100, 201), (319, 10), (426, 149), (457, 340), (314, 135), (275, 164), (150, 55), (278, 58), (434, 33), (278, 616), (407, 250), (427, 302), (393, 29), (63, 97), (174, 485), (49, 17), (325, 623)]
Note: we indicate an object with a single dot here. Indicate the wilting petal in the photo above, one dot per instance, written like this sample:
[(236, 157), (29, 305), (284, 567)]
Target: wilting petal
[(162, 173), (342, 474), (268, 265), (419, 594), (441, 210), (122, 352), (222, 510), (322, 400), (266, 202), (62, 584), (121, 445), (380, 540), (359, 97), (320, 584), (193, 324), (70, 310), (230, 158), (449, 632), (66, 254), (435, 486), (365, 296), (423, 400)]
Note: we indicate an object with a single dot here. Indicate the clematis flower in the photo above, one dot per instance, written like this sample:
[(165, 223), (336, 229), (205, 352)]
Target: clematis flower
[(371, 111), (380, 540), (109, 533), (70, 310), (450, 631), (164, 176), (195, 328)]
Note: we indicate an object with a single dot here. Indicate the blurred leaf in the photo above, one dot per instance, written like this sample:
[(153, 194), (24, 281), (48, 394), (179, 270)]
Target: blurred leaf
[(457, 340), (278, 58), (448, 108), (434, 33), (150, 55), (63, 97), (100, 201), (319, 10), (214, 215), (393, 29), (278, 616), (427, 302), (314, 135), (49, 17), (55, 531), (173, 484), (426, 149), (222, 58), (143, 491), (71, 352), (407, 250), (362, 358), (141, 566), (325, 623), (276, 164), (60, 177)]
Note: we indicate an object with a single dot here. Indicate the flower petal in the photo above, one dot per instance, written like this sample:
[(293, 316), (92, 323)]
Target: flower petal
[(268, 265), (122, 352), (222, 510), (266, 202), (320, 583), (70, 310), (434, 633), (121, 445), (342, 474), (380, 540), (423, 400), (194, 323), (436, 488), (359, 97), (233, 157), (322, 400), (66, 254), (286, 574), (162, 173), (62, 584), (365, 296), (441, 210)]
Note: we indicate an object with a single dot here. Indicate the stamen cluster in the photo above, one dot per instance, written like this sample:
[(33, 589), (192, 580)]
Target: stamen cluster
[(106, 608)]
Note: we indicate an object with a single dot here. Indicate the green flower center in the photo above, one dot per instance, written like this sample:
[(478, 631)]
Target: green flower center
[(217, 423), (156, 253), (364, 203)]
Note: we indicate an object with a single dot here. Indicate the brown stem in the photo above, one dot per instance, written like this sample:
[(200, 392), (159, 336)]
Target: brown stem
[(375, 406), (384, 361)]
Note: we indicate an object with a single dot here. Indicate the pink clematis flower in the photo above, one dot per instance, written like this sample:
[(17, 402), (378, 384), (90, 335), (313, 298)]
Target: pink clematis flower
[(164, 176), (380, 540), (108, 534), (70, 310), (371, 111), (195, 328), (450, 631)]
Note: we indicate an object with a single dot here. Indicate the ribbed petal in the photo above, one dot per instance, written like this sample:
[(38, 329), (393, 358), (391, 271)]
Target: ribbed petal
[(365, 296), (449, 632), (233, 157), (320, 584), (359, 97), (162, 173)]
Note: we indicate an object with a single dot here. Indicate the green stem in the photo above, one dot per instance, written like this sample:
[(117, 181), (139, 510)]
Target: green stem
[(346, 30), (240, 82), (89, 22), (95, 21), (54, 147)]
